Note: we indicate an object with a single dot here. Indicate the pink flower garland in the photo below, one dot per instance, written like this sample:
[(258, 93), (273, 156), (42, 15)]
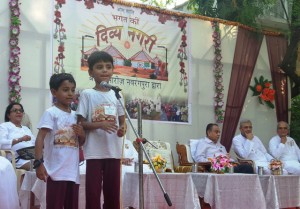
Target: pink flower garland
[(59, 34), (14, 63), (182, 54), (218, 73)]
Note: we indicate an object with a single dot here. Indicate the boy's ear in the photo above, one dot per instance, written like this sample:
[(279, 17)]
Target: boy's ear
[(53, 92)]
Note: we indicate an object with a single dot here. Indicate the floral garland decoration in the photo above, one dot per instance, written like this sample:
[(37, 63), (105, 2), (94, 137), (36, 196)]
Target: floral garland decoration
[(218, 73), (182, 54), (14, 62), (262, 89), (59, 34)]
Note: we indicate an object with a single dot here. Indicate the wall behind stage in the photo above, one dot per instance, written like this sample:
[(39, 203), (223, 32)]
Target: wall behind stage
[(36, 67)]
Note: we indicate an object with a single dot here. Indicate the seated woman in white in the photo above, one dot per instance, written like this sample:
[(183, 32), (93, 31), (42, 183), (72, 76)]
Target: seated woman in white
[(15, 136), (9, 198)]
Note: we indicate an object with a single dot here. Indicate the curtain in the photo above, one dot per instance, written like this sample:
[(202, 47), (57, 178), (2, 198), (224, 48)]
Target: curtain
[(277, 47), (246, 52)]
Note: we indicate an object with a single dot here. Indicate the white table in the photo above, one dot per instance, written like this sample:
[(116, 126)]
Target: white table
[(178, 186), (281, 191), (234, 191)]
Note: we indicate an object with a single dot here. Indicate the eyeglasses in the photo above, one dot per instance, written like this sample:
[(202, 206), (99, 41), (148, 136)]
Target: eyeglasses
[(17, 110)]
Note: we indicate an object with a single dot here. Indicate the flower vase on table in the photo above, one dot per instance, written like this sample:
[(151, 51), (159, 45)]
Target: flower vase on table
[(220, 164), (276, 167), (159, 163)]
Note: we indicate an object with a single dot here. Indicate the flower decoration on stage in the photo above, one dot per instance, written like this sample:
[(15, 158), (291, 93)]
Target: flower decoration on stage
[(263, 90), (182, 55), (60, 36), (14, 63), (276, 167), (220, 164), (158, 162), (218, 73)]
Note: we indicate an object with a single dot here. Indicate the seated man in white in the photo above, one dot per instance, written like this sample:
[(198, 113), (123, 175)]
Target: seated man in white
[(284, 148), (248, 146), (210, 147), (129, 157)]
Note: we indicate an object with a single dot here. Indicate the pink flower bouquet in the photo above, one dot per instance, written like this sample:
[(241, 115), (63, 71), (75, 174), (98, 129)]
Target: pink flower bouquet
[(220, 164)]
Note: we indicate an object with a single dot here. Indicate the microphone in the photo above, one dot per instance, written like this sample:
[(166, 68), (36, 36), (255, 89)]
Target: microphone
[(108, 86)]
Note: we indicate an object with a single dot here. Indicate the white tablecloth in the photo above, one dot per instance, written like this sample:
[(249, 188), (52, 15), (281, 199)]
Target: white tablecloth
[(179, 187), (234, 191), (38, 187), (8, 186), (281, 191)]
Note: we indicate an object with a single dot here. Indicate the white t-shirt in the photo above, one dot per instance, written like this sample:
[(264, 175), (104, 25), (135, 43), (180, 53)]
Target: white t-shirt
[(61, 154), (9, 132), (97, 106)]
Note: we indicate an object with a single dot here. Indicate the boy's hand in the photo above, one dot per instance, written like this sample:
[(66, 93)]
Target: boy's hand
[(78, 129), (41, 173), (121, 131), (108, 127), (127, 161)]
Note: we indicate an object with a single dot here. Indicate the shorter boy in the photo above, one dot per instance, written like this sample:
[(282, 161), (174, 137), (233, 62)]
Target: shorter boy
[(60, 137)]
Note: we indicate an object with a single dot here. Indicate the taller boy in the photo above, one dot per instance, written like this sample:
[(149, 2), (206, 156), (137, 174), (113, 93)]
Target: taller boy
[(101, 115)]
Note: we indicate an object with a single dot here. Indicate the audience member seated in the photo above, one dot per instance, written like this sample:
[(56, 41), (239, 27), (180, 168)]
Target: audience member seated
[(284, 148), (210, 147), (130, 157), (9, 198), (15, 136), (248, 146)]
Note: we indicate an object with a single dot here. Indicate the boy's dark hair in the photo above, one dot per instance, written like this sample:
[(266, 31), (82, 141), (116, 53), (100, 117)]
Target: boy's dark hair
[(98, 56), (8, 109), (57, 79)]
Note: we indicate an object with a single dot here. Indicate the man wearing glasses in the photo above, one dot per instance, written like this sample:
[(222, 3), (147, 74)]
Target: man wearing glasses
[(248, 146), (284, 148)]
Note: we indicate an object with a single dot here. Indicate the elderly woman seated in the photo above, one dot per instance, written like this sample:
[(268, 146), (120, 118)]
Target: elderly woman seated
[(13, 135)]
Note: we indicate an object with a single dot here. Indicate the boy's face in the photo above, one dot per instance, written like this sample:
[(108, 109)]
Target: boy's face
[(102, 71), (64, 94)]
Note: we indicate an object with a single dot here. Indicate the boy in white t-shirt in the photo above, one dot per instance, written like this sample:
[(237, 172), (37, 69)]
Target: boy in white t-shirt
[(56, 147), (102, 116)]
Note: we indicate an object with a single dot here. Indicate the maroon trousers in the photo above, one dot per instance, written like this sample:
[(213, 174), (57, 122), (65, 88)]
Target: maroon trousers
[(108, 172), (61, 194)]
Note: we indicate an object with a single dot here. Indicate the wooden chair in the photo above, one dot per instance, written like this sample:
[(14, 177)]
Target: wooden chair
[(185, 159)]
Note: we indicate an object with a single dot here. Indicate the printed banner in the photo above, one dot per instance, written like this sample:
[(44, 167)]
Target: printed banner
[(145, 51)]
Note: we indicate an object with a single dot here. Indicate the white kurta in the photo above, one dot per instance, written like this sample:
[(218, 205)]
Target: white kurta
[(252, 150), (288, 153)]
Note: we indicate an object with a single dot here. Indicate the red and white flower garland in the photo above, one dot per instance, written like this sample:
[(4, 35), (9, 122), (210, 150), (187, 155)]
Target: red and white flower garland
[(218, 74), (182, 54), (59, 34), (14, 61)]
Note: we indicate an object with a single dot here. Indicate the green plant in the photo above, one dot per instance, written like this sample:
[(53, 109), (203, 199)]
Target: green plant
[(295, 119)]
